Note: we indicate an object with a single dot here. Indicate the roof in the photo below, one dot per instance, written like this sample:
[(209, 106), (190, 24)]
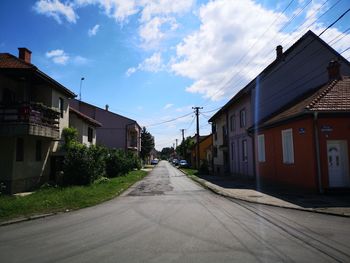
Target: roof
[(85, 117), (110, 112), (11, 62), (247, 89), (330, 98)]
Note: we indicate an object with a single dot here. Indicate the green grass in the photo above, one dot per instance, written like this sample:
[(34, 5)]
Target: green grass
[(60, 199), (189, 171)]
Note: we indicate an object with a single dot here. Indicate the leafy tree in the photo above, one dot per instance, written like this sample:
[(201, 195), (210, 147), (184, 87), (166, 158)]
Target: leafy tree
[(166, 152), (147, 143), (184, 147)]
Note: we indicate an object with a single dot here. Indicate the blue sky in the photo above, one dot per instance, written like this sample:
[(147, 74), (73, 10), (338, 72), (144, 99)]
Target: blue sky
[(152, 60)]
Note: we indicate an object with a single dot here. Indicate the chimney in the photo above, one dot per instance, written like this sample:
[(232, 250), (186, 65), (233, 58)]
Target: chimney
[(279, 52), (107, 107), (334, 70), (24, 54)]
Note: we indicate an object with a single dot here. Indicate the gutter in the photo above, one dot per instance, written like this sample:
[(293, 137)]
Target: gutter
[(318, 158)]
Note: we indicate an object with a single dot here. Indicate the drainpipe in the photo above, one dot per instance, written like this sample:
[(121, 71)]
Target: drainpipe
[(318, 158)]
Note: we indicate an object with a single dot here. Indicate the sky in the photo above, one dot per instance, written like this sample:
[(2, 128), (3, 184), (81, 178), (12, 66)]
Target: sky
[(153, 60)]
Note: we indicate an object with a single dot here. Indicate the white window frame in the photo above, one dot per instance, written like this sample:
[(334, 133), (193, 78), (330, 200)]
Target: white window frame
[(244, 150), (242, 118), (261, 148), (287, 146)]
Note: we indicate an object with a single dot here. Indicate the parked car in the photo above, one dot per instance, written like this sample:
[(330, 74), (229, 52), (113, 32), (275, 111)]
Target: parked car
[(154, 161), (183, 164), (175, 162)]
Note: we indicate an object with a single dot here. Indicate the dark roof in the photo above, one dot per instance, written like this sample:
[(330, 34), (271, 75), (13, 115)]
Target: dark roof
[(110, 112), (11, 62), (330, 98), (85, 117), (247, 89)]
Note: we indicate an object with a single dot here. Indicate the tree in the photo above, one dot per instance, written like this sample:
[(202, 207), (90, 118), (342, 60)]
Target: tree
[(147, 143), (183, 148), (166, 152)]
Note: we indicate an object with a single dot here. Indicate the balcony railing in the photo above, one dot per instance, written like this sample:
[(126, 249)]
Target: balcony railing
[(40, 119)]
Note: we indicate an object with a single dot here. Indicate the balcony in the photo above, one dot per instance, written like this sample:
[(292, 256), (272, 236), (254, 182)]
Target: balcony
[(20, 119)]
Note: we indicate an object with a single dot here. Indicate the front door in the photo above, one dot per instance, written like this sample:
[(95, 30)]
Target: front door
[(338, 163)]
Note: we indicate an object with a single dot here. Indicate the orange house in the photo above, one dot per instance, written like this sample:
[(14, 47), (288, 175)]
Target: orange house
[(205, 151), (307, 146)]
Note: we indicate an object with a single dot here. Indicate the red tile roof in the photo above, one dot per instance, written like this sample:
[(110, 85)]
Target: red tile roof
[(13, 63), (10, 61), (85, 117), (333, 97)]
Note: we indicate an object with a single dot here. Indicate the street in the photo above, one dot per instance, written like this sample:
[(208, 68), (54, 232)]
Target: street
[(169, 218)]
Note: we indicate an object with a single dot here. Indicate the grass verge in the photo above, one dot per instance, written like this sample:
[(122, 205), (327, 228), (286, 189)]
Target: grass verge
[(190, 171), (51, 200)]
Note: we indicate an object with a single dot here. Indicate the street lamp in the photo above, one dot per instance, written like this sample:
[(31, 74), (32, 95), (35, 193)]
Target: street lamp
[(81, 83)]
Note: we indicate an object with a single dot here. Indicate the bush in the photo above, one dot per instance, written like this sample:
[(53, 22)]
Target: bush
[(70, 136), (204, 167), (83, 165), (120, 163)]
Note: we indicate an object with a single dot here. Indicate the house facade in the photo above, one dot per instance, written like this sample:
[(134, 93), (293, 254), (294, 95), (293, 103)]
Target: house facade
[(116, 132), (85, 126), (307, 145), (33, 113), (205, 151), (292, 74)]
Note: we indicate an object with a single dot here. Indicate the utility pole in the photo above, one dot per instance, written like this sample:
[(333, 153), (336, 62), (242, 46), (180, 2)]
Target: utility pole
[(183, 134), (183, 146), (176, 142), (196, 110)]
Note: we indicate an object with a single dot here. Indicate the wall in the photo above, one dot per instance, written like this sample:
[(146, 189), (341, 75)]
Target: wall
[(218, 161), (82, 129), (64, 122), (300, 175), (340, 131), (305, 68), (236, 137), (28, 173)]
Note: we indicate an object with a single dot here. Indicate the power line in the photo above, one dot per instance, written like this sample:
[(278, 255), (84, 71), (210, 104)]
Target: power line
[(167, 121), (332, 24)]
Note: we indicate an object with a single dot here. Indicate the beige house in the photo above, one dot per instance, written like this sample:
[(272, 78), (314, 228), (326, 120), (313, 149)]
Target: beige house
[(85, 126), (33, 113)]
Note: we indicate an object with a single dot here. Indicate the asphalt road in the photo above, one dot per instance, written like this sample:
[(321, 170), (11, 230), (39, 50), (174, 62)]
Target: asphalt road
[(169, 218)]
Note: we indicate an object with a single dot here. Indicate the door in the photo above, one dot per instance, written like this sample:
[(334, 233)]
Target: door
[(338, 163)]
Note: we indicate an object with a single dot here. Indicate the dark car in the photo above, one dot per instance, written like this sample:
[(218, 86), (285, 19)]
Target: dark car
[(154, 162), (183, 164)]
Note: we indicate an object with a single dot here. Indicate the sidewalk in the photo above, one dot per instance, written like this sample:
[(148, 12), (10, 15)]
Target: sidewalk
[(247, 190)]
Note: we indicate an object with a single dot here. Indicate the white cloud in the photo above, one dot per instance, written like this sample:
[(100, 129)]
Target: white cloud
[(93, 31), (58, 56), (211, 55), (56, 9), (168, 106), (151, 64)]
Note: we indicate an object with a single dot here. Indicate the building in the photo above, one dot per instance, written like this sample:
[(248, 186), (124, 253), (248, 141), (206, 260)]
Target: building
[(292, 74), (306, 146), (205, 151), (33, 113), (85, 126), (116, 132)]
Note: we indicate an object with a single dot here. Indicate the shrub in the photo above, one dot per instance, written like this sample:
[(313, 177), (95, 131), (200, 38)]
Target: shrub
[(204, 167), (70, 136), (83, 165), (120, 163)]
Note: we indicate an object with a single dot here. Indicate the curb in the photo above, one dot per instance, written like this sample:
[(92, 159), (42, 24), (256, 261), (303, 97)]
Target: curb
[(220, 192), (23, 219)]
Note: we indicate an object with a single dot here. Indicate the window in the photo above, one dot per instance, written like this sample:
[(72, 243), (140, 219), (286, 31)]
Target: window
[(19, 150), (90, 134), (244, 151), (214, 131), (232, 150), (287, 146), (38, 150), (261, 148), (232, 123), (242, 118), (61, 106), (215, 151)]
